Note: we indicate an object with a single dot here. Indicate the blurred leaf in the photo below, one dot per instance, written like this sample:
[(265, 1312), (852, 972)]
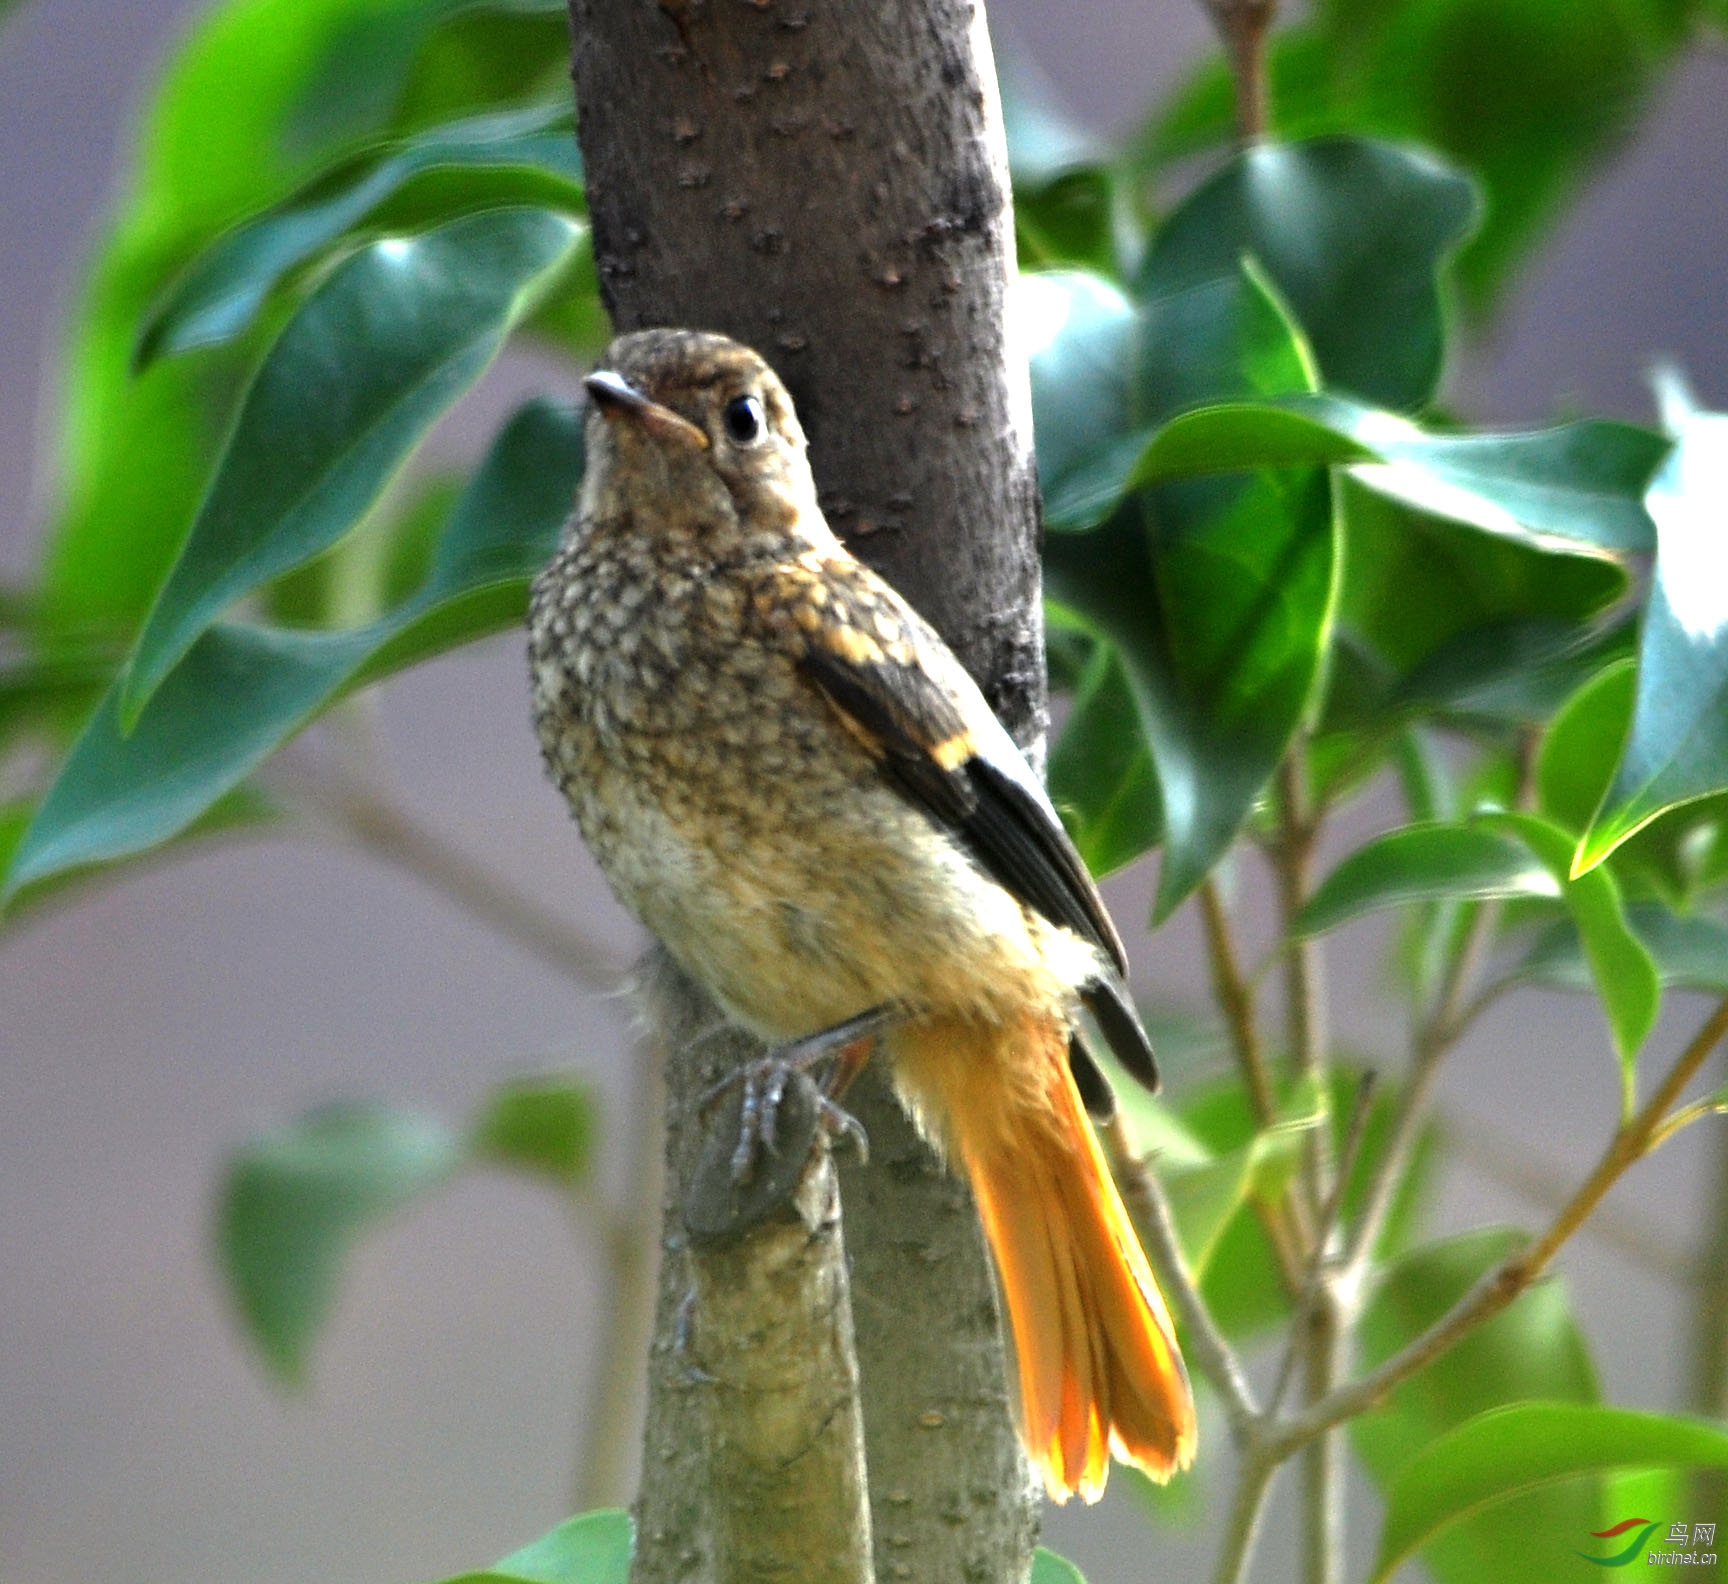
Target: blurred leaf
[(1048, 1568), (1519, 670), (1354, 234), (363, 81), (1581, 747), (1533, 1349), (220, 295), (1677, 748), (1204, 1198), (209, 151), (1529, 97), (359, 375), (294, 1202), (1423, 862), (1691, 953), (242, 691), (1626, 978), (594, 1548), (544, 1126), (1071, 220), (1044, 142), (1100, 775), (1522, 1447)]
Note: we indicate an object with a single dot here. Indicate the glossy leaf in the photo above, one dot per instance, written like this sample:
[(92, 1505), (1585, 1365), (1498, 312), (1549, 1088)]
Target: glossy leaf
[(1689, 952), (1416, 588), (1426, 863), (1533, 1349), (1581, 747), (209, 151), (544, 1126), (1626, 978), (1101, 776), (222, 292), (1677, 749), (1082, 338), (358, 376), (293, 1203), (1204, 1198), (1354, 233), (593, 1548), (1216, 593), (242, 690), (1524, 1446)]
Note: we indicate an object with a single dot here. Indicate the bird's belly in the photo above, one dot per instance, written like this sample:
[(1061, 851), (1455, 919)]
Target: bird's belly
[(838, 905)]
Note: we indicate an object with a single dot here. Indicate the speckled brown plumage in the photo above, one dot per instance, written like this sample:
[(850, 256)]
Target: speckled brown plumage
[(787, 776)]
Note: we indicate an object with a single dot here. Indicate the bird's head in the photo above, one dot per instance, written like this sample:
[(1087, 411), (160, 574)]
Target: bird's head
[(692, 432)]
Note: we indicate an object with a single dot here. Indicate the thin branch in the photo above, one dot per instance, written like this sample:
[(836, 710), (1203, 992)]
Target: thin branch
[(1501, 1286), (1304, 995), (1150, 1209), (384, 829), (1243, 25), (1235, 1000), (1254, 1483), (1435, 1036)]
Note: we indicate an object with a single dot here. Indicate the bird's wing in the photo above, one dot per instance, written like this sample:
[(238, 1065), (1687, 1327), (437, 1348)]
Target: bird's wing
[(901, 692)]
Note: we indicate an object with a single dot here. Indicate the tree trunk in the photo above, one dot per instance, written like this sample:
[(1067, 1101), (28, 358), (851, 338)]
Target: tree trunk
[(829, 184)]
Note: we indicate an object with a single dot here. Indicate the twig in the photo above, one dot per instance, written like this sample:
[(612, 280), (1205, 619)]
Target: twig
[(1708, 1386), (1243, 25), (1254, 1483), (1435, 1036), (1501, 1286), (387, 831), (1236, 1000), (1150, 1209)]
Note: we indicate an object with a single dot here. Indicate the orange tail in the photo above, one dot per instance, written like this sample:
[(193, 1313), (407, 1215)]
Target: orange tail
[(1099, 1369)]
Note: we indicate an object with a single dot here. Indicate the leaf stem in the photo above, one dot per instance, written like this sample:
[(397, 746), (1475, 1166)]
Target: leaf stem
[(1235, 1000), (1243, 25)]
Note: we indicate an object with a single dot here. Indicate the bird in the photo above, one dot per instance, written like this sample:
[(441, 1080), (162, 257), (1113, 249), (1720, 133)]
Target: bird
[(791, 780)]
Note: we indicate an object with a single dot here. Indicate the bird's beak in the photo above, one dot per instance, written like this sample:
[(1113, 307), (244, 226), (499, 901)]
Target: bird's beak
[(615, 397)]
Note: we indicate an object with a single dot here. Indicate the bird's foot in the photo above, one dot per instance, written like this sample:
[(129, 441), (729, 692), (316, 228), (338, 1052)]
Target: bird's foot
[(765, 1082)]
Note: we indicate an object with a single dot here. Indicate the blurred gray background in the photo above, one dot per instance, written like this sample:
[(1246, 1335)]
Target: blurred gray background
[(150, 1025)]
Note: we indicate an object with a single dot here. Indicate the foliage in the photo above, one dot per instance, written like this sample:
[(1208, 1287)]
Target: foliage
[(1279, 576)]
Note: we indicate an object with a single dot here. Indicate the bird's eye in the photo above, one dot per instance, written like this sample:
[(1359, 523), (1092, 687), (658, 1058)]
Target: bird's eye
[(744, 420)]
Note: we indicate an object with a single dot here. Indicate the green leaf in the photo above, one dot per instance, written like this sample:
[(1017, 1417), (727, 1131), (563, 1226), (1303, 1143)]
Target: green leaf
[(1423, 863), (544, 1126), (355, 380), (1626, 978), (1082, 337), (1205, 1197), (242, 691), (1677, 749), (1071, 220), (1415, 587), (1582, 745), (1522, 1447), (294, 1202), (1231, 437), (1101, 776), (1216, 593), (1048, 1568), (1532, 1349), (1691, 953), (594, 1548), (1577, 489), (220, 296), (1354, 233), (209, 151)]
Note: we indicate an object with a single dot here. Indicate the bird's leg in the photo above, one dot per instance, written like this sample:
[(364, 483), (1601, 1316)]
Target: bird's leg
[(765, 1080)]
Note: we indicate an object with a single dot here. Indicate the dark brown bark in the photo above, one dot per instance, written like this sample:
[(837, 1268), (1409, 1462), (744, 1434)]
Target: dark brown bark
[(828, 183)]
